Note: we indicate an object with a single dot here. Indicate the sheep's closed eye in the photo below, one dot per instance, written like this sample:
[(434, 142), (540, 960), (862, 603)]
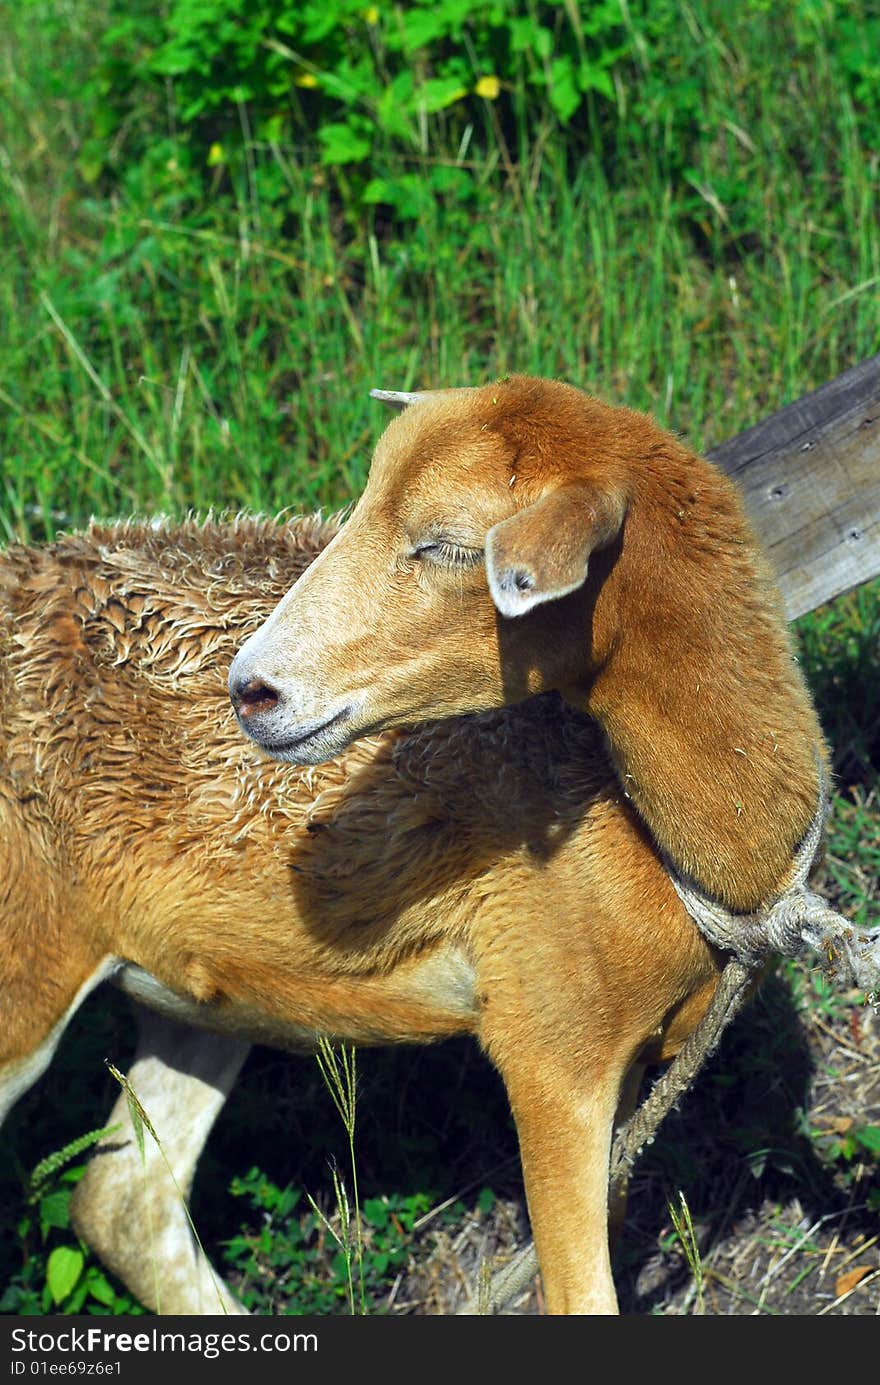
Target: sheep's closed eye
[(446, 553)]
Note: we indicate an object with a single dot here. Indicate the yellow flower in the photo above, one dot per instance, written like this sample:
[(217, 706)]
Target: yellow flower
[(216, 155), (371, 14), (488, 88), (306, 79)]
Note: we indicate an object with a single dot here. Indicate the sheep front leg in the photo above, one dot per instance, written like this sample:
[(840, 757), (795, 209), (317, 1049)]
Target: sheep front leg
[(565, 1143), (550, 1024), (128, 1209)]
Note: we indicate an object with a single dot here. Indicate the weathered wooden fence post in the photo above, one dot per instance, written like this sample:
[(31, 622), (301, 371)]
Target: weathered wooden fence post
[(810, 476)]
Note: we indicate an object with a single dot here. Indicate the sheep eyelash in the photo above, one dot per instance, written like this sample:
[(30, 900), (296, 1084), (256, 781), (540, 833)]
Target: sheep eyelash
[(442, 551)]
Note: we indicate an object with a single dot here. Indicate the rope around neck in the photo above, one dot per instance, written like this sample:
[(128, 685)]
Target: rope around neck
[(796, 921)]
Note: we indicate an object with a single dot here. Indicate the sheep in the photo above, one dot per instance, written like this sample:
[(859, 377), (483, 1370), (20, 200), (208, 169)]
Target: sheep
[(523, 538), (484, 874)]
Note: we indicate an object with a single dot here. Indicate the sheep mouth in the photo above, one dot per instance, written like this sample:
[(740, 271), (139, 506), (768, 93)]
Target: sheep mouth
[(310, 744)]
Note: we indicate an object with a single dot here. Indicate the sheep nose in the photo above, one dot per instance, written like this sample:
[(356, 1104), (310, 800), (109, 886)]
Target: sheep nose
[(253, 695)]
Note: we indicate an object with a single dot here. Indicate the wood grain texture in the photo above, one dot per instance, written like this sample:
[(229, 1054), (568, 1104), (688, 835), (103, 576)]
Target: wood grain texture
[(810, 477)]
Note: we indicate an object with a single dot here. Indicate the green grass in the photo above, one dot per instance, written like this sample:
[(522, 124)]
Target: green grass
[(163, 349), (173, 342)]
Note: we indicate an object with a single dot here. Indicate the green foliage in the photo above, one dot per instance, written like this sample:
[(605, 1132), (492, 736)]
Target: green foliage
[(862, 1141), (372, 91), (839, 646), (196, 306), (57, 1273), (855, 1150), (351, 80), (292, 1262)]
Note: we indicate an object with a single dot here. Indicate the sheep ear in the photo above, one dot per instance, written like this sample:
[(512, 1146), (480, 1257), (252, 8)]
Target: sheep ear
[(543, 552)]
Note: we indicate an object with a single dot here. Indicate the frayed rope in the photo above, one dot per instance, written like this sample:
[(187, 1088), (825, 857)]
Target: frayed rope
[(798, 920)]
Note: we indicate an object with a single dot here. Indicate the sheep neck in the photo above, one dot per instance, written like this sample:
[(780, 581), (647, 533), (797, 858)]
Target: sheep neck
[(708, 720)]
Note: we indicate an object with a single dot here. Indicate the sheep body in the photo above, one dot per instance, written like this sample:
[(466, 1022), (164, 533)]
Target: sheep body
[(482, 874)]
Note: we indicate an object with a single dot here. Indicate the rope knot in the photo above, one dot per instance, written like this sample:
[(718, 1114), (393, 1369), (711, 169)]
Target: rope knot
[(797, 920)]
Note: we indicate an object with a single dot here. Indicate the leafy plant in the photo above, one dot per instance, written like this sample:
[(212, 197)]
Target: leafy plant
[(295, 1261), (385, 95), (57, 1273)]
